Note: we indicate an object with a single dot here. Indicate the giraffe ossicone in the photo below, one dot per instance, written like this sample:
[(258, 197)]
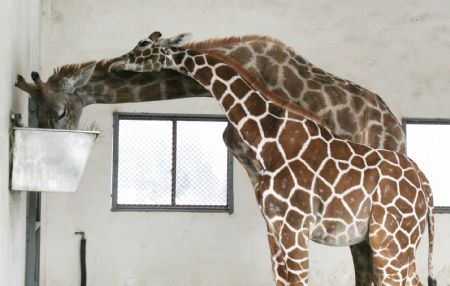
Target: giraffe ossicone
[(311, 184)]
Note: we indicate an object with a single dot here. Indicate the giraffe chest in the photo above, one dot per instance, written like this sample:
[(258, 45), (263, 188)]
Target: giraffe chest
[(241, 152)]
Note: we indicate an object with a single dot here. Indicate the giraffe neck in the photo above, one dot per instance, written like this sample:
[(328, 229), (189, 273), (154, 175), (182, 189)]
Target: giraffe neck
[(127, 87), (236, 94)]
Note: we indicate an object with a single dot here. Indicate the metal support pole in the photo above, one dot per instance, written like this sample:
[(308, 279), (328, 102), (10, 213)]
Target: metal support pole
[(82, 256)]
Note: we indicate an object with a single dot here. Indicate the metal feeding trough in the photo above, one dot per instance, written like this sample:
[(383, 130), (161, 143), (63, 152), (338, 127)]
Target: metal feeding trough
[(49, 160)]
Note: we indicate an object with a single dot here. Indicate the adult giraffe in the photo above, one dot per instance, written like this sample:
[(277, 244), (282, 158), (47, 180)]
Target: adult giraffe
[(349, 110), (311, 183)]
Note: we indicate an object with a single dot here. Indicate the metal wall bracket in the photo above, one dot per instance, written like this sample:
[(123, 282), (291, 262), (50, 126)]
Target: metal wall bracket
[(16, 120)]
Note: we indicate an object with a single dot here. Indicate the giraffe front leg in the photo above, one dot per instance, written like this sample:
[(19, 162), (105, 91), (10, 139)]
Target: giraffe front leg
[(289, 227), (362, 261), (294, 245), (289, 247), (296, 257), (278, 263)]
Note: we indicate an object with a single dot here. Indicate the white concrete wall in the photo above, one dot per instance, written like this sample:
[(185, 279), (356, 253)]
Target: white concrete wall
[(399, 49), (17, 50)]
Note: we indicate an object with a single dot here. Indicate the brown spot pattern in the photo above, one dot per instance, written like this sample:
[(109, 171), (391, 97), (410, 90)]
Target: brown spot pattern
[(225, 72), (350, 179), (292, 138), (273, 159), (346, 119), (204, 75), (314, 101), (255, 104), (329, 171), (340, 150), (242, 54), (227, 101), (292, 83), (303, 175), (336, 94), (315, 153), (218, 88), (258, 47), (250, 132), (277, 54), (239, 88), (267, 70), (270, 126), (390, 170), (283, 182), (236, 114), (189, 64)]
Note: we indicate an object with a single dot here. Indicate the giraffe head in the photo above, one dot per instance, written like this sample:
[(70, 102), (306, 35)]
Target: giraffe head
[(57, 104), (151, 54)]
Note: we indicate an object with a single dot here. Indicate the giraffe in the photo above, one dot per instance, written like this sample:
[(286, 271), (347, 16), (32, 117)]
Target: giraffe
[(349, 110), (311, 184)]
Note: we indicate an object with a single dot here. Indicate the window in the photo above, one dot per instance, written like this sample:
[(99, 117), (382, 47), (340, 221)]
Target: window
[(173, 162), (428, 144)]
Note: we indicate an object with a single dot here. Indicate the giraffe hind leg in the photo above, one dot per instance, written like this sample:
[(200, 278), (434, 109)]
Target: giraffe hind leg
[(391, 257), (362, 261), (413, 278), (431, 281)]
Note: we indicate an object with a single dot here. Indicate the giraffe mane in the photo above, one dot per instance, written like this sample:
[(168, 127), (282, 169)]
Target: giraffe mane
[(71, 69), (104, 64), (215, 43), (272, 96)]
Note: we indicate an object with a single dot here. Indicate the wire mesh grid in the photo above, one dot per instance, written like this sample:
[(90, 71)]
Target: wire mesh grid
[(172, 164), (427, 144), (145, 162), (201, 164)]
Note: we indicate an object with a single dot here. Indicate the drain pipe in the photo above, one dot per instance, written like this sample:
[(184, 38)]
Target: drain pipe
[(82, 256)]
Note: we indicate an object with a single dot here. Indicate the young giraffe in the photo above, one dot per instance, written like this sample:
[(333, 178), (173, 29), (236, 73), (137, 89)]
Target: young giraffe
[(349, 110), (310, 184)]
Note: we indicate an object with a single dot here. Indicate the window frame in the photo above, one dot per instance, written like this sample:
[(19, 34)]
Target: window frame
[(434, 121), (117, 116)]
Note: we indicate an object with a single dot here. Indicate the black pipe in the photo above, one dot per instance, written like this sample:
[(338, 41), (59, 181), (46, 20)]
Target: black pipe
[(82, 257)]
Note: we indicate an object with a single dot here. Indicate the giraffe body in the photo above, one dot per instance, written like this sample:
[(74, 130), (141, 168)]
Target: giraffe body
[(310, 183)]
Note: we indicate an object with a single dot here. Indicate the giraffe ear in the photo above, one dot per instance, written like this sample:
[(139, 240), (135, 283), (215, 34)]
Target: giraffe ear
[(177, 41), (84, 75)]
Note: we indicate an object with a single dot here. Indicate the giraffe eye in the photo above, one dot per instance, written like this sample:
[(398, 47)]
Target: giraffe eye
[(62, 115), (144, 43)]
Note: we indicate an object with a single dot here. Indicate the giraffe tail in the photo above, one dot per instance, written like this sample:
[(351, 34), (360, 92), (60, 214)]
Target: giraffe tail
[(430, 220)]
